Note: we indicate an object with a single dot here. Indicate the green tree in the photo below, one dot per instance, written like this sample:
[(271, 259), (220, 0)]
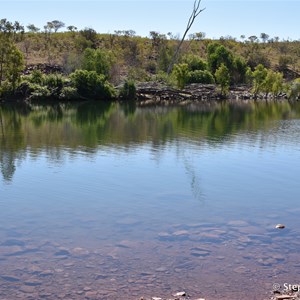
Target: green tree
[(181, 72), (90, 35), (223, 78), (15, 65), (218, 55), (199, 76), (253, 39), (194, 62), (91, 85), (98, 60), (277, 86), (259, 75), (128, 91), (239, 70), (32, 28), (11, 59), (72, 28), (57, 25), (264, 37)]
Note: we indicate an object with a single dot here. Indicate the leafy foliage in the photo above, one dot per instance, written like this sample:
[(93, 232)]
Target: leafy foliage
[(128, 91), (91, 85), (218, 55), (124, 55), (259, 75), (223, 78), (194, 62), (199, 76), (97, 60), (68, 93), (181, 72)]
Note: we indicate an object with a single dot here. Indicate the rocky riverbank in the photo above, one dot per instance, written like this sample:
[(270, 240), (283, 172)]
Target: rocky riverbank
[(157, 93)]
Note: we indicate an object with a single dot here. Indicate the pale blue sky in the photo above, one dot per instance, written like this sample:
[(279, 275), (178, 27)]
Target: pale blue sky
[(220, 18)]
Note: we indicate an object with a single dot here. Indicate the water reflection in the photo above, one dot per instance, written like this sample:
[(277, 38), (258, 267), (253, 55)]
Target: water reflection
[(88, 126), (138, 200)]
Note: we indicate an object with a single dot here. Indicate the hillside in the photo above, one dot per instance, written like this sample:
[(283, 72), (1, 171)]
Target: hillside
[(89, 65), (141, 58)]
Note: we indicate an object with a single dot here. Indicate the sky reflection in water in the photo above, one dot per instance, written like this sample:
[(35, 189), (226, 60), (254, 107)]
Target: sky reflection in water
[(109, 177)]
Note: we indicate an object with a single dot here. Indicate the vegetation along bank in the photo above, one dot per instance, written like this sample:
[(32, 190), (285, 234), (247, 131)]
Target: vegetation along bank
[(82, 64)]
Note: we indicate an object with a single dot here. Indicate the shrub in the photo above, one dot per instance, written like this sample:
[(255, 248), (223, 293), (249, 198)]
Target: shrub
[(165, 78), (259, 75), (39, 92), (36, 77), (273, 83), (199, 76), (98, 60), (5, 89), (128, 90), (54, 81), (68, 93), (181, 72), (194, 62), (91, 85), (218, 55), (223, 78), (239, 70)]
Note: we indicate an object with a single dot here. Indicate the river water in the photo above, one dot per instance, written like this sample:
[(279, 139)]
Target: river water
[(112, 201)]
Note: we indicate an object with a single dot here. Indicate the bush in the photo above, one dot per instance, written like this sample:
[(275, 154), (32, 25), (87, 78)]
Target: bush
[(128, 90), (98, 60), (259, 75), (91, 85), (165, 78), (6, 89), (181, 72), (54, 81), (39, 92), (218, 55), (194, 62), (36, 77), (68, 93), (199, 76), (223, 78), (239, 70)]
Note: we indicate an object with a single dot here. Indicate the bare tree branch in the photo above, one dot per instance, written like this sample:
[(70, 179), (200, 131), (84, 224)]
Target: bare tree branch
[(196, 11)]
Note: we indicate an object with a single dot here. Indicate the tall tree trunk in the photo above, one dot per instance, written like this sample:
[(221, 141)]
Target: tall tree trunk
[(196, 11)]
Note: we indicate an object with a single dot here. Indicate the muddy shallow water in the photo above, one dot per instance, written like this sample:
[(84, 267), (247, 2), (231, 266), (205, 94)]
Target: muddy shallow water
[(119, 202)]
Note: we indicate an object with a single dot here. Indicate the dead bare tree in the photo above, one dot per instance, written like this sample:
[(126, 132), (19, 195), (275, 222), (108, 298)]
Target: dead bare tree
[(196, 11)]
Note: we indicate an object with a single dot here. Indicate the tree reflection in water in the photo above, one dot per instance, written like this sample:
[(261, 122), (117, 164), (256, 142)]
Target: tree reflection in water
[(61, 128)]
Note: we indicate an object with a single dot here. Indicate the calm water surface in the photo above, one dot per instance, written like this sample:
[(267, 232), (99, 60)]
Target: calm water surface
[(118, 202)]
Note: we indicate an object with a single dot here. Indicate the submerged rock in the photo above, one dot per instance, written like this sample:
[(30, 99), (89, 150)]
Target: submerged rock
[(199, 252), (180, 294), (10, 278)]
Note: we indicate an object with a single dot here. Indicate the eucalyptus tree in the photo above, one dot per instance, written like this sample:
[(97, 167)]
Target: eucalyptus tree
[(195, 12), (222, 75), (57, 25), (32, 28), (11, 59), (72, 28), (264, 37)]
